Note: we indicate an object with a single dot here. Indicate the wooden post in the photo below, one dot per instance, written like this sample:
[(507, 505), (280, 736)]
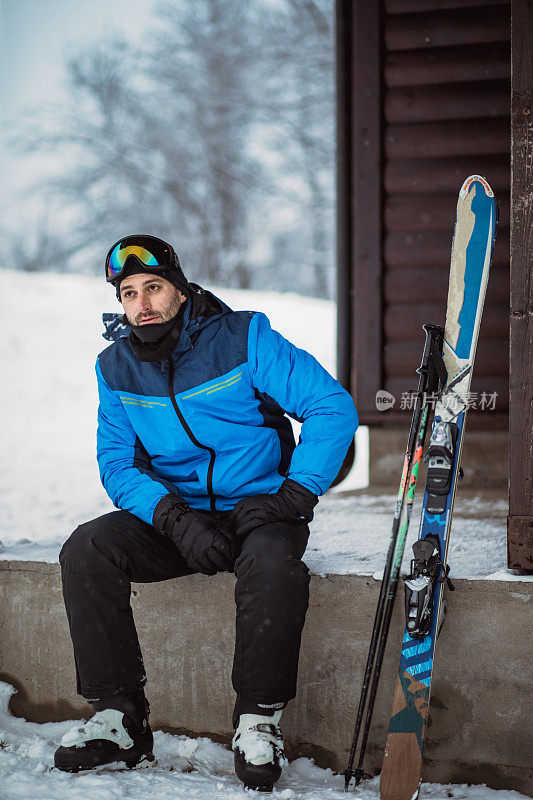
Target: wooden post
[(344, 77), (520, 519), (344, 226), (367, 187)]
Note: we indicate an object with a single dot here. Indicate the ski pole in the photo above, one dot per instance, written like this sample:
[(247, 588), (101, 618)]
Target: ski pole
[(378, 619), (391, 592), (431, 374)]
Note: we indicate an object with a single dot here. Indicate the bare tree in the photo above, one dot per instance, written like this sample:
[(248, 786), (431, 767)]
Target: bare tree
[(202, 55), (120, 148), (298, 101), (218, 134), (152, 154)]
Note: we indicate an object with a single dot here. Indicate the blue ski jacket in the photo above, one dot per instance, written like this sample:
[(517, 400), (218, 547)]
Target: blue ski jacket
[(210, 424)]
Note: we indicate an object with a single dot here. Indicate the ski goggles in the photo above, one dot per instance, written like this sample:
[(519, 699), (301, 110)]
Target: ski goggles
[(149, 250)]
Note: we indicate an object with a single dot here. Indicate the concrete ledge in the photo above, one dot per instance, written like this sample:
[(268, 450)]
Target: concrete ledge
[(481, 704)]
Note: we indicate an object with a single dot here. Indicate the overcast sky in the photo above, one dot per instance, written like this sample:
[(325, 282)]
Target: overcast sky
[(35, 36)]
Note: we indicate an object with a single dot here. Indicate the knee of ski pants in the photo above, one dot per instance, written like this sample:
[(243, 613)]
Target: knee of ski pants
[(273, 553), (89, 549)]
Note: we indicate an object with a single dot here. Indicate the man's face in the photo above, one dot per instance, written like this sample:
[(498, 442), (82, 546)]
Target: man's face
[(149, 299)]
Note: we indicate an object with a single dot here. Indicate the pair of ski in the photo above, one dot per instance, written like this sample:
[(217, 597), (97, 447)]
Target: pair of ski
[(445, 372)]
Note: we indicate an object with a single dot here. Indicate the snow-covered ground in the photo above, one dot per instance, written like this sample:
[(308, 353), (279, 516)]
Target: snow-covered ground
[(187, 769), (49, 478)]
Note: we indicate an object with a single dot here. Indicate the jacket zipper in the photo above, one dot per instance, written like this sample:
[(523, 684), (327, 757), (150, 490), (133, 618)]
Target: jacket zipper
[(192, 437)]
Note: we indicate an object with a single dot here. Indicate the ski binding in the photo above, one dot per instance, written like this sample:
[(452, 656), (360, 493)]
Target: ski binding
[(419, 585), (440, 457)]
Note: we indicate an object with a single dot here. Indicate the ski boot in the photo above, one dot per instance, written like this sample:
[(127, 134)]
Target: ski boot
[(420, 585), (258, 749), (110, 737)]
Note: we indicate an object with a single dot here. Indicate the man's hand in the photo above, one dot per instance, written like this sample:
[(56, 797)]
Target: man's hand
[(205, 547), (291, 502)]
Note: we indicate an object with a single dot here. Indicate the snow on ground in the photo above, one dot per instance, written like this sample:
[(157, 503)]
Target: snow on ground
[(49, 477), (187, 769), (350, 534)]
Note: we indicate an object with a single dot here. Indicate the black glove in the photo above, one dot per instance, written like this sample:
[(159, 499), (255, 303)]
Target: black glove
[(291, 502), (205, 547)]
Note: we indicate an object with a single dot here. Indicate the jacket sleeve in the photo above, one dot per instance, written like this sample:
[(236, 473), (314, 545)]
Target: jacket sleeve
[(124, 464), (306, 391)]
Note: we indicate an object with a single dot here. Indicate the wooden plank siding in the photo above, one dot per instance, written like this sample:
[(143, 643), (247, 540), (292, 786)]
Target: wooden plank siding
[(445, 109)]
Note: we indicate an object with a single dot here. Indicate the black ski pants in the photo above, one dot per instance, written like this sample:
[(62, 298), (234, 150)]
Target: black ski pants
[(101, 558)]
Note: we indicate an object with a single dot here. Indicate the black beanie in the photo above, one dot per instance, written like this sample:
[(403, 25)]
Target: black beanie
[(173, 275)]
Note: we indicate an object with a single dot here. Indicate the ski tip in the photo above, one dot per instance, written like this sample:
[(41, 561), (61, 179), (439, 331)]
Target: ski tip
[(465, 188)]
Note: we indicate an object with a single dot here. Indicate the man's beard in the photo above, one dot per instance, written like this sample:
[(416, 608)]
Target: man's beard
[(151, 334), (161, 316), (155, 341)]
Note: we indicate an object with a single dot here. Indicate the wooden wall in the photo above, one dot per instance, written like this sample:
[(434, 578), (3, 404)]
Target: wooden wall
[(437, 110)]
